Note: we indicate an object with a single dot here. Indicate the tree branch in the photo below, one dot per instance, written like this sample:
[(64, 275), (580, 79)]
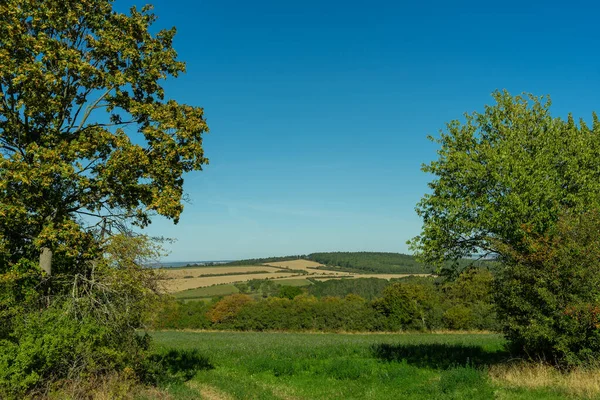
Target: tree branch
[(91, 108)]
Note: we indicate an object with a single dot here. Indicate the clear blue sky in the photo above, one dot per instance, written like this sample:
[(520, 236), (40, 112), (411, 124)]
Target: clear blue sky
[(319, 110)]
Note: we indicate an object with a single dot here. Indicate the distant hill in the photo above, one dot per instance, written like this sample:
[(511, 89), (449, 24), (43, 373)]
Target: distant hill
[(188, 264), (257, 261), (358, 262), (371, 262), (366, 262)]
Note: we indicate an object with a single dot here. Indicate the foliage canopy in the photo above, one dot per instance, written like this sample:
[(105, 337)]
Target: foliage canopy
[(549, 296), (515, 182), (85, 127), (509, 169)]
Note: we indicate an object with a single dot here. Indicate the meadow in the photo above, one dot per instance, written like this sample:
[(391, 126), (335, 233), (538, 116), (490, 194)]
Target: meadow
[(364, 366)]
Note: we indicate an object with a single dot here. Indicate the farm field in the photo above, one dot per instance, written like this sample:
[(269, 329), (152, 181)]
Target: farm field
[(294, 282), (176, 285), (206, 292), (202, 271), (306, 265), (283, 272), (357, 366)]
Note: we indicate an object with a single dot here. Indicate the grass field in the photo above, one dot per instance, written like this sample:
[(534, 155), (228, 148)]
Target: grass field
[(339, 366), (211, 291), (294, 282), (207, 293)]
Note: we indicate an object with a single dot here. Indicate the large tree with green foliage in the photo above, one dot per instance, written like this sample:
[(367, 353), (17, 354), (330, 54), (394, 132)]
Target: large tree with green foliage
[(89, 143), (518, 183), (503, 172), (88, 138)]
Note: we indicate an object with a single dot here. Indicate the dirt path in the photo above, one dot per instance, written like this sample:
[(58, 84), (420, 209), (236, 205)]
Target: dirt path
[(208, 392)]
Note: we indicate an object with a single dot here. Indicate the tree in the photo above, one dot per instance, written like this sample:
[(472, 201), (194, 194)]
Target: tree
[(289, 292), (515, 182), (226, 309), (549, 296), (501, 173), (87, 328), (88, 139), (398, 307)]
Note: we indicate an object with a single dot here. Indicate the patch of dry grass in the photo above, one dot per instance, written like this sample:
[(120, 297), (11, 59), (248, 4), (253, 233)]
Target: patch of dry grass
[(208, 392), (177, 285), (204, 271), (581, 382), (305, 265)]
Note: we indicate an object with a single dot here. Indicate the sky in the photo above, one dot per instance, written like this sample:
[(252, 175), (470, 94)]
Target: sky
[(319, 111)]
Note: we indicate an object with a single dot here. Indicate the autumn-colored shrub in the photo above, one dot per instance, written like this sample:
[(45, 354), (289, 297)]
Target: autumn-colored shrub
[(228, 308)]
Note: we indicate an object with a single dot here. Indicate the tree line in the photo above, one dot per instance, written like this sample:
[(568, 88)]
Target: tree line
[(373, 262), (415, 303)]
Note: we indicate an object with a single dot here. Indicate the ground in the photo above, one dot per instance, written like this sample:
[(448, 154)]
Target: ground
[(293, 366)]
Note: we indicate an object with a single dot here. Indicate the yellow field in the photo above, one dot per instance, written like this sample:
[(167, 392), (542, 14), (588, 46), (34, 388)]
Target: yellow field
[(196, 272), (176, 281), (305, 265), (177, 285)]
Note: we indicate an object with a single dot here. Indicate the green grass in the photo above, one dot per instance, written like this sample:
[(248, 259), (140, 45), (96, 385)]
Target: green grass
[(293, 282), (206, 292), (336, 366)]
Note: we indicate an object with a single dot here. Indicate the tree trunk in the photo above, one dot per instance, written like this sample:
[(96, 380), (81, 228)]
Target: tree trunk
[(46, 260)]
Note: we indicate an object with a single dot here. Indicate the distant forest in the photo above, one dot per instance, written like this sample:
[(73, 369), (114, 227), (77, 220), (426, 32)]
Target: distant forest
[(365, 262), (359, 262), (256, 261)]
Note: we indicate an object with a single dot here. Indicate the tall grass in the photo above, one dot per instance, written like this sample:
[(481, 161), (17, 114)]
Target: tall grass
[(578, 382)]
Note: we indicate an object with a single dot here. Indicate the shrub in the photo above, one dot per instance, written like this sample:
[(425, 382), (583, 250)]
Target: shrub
[(225, 310), (548, 296), (182, 315), (50, 345), (401, 311), (76, 327), (458, 317)]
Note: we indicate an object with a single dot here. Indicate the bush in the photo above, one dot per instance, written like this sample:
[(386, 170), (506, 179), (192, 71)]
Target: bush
[(182, 315), (226, 310), (548, 296), (399, 308), (458, 317), (74, 328), (48, 346)]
